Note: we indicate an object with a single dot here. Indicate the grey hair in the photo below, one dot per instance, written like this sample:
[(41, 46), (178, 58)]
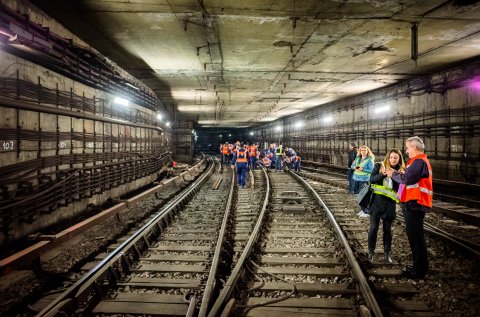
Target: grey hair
[(417, 142)]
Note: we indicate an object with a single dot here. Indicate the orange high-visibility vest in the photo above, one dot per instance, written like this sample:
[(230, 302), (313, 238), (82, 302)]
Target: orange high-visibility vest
[(225, 149), (241, 156), (422, 191), (253, 150)]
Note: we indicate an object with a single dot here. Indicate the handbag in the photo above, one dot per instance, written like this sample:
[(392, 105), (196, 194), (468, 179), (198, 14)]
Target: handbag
[(364, 196)]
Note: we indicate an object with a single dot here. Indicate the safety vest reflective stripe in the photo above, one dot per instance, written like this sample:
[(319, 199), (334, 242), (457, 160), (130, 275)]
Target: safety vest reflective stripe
[(362, 163), (385, 191), (422, 191), (241, 156)]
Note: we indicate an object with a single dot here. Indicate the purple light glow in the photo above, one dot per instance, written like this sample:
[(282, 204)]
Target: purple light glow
[(475, 83)]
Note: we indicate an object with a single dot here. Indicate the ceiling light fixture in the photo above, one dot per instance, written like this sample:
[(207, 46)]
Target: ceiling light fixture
[(132, 86)]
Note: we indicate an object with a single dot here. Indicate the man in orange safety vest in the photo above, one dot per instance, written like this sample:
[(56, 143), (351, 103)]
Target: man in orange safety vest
[(416, 198)]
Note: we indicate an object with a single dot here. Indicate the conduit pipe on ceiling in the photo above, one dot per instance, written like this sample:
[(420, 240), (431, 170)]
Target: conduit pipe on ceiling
[(20, 36)]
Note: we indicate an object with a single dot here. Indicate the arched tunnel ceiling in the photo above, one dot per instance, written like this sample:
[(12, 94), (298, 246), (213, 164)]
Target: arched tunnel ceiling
[(236, 63)]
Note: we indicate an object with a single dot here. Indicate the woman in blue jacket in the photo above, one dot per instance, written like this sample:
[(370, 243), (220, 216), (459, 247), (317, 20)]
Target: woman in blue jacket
[(362, 169)]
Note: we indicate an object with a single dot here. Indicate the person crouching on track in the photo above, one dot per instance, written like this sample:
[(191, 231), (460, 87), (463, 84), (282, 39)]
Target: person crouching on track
[(383, 204), (363, 167), (266, 162), (240, 158)]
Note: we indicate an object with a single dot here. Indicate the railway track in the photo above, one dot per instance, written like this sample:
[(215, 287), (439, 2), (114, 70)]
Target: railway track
[(40, 272), (283, 247), (455, 223), (456, 264), (300, 267), (162, 266)]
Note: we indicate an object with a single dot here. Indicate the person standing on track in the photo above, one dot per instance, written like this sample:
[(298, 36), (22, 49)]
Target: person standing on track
[(363, 167), (240, 159), (384, 203), (416, 198), (351, 158)]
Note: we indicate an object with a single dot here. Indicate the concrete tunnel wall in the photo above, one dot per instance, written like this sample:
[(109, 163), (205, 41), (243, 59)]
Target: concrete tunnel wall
[(30, 135), (443, 109)]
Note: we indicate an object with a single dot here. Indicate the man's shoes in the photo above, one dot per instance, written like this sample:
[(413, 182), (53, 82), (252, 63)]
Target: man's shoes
[(407, 267), (388, 258), (371, 255)]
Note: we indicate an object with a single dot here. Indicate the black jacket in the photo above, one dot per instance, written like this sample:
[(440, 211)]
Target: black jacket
[(383, 206), (351, 157)]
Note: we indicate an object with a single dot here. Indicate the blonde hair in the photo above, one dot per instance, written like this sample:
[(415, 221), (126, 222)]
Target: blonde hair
[(369, 152), (386, 161)]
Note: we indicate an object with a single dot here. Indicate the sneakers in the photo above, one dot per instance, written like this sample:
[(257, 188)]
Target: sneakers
[(362, 214), (371, 254)]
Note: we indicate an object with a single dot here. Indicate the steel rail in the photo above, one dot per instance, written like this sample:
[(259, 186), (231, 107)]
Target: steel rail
[(367, 292), (465, 245), (212, 276), (227, 291), (69, 300)]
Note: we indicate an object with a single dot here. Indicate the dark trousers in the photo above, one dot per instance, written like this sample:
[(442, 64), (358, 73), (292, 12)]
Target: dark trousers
[(351, 182), (297, 165), (357, 185), (416, 238), (373, 231), (242, 170), (252, 162), (225, 159), (278, 163)]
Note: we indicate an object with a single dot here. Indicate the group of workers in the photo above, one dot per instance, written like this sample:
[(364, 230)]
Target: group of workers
[(248, 156), (393, 182)]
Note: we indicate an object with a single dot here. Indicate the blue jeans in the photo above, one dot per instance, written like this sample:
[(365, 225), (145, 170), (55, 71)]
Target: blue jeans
[(242, 170), (357, 185), (278, 163), (297, 165), (225, 159), (252, 162)]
